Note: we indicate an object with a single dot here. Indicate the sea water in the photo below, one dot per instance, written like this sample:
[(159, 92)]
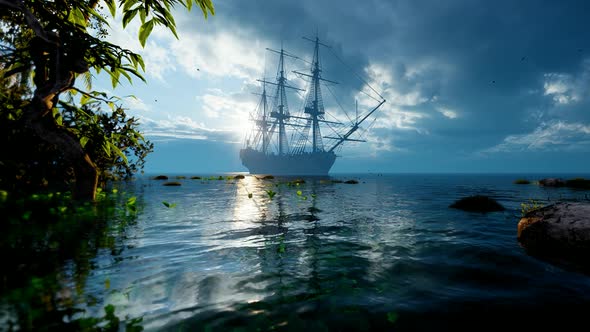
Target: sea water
[(386, 253)]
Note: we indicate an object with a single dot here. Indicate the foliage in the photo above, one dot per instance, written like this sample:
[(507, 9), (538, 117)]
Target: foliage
[(529, 206), (44, 47), (111, 139), (169, 205), (27, 163), (522, 181)]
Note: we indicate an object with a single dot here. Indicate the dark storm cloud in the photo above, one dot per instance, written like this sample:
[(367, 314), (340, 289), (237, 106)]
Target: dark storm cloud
[(493, 63)]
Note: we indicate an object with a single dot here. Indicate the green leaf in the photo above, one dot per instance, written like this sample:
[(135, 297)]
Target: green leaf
[(112, 6), (87, 80), (77, 17), (115, 77), (142, 15), (169, 205), (144, 31), (128, 16), (96, 15), (392, 317), (83, 141), (128, 4), (299, 193), (118, 152), (131, 201)]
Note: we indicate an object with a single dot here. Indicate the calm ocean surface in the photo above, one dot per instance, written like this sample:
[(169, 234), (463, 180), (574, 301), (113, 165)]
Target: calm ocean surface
[(384, 254)]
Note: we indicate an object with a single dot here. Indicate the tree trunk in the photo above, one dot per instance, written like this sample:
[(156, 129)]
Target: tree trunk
[(55, 73), (39, 117)]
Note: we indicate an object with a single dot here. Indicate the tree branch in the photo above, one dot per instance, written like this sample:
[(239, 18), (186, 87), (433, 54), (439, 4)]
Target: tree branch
[(91, 95), (32, 21)]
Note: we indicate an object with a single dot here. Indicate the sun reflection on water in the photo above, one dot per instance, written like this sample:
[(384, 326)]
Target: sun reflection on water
[(250, 204)]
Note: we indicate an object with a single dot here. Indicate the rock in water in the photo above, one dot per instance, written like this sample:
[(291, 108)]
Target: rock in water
[(477, 203), (557, 228), (552, 182)]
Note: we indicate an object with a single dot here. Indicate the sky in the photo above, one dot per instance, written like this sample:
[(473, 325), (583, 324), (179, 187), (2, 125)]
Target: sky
[(471, 86)]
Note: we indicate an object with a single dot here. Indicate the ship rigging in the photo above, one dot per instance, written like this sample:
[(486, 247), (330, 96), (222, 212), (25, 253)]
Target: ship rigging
[(303, 153)]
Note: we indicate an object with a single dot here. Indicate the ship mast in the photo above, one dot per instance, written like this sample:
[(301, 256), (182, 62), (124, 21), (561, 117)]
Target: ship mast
[(314, 105), (264, 124), (281, 110), (315, 111)]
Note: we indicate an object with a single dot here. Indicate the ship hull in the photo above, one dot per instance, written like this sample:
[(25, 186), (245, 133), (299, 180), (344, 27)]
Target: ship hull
[(318, 163)]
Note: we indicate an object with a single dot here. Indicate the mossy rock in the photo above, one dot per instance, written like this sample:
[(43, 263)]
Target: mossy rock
[(195, 177), (337, 181), (477, 203), (239, 177), (268, 177), (578, 183), (351, 182), (173, 184), (181, 177), (298, 181), (522, 181), (161, 177)]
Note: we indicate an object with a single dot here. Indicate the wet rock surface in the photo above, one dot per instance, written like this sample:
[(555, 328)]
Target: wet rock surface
[(565, 225)]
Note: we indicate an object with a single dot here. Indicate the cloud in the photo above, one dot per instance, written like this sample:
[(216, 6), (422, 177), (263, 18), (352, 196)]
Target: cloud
[(561, 88), (180, 127), (405, 98), (565, 88), (447, 112), (552, 136), (221, 53), (136, 104)]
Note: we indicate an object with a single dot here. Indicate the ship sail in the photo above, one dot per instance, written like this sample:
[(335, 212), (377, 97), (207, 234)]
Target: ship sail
[(270, 150)]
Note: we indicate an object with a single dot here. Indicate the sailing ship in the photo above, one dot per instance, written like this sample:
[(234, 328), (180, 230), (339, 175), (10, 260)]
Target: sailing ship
[(280, 142)]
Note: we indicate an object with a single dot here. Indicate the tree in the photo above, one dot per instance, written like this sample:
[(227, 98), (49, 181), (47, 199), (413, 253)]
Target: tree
[(59, 41)]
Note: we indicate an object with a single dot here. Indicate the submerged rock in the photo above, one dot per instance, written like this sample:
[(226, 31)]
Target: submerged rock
[(578, 183), (161, 177), (351, 182), (552, 182), (477, 203), (195, 177), (172, 184), (556, 228)]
